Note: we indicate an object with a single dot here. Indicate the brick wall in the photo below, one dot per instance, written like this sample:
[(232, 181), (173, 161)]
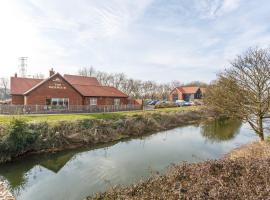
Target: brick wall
[(54, 88), (175, 92), (17, 99), (106, 100)]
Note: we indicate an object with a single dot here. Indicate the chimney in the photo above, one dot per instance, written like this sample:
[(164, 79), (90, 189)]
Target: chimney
[(15, 75), (51, 72)]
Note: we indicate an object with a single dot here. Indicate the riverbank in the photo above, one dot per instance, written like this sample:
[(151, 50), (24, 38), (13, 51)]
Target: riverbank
[(4, 192), (21, 138), (242, 174)]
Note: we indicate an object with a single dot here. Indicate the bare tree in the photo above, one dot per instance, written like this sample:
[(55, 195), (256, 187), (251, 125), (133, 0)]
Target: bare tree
[(85, 71), (243, 91), (39, 76), (4, 87), (133, 88)]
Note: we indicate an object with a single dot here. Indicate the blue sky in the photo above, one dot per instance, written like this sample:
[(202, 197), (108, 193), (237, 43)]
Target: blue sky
[(159, 40)]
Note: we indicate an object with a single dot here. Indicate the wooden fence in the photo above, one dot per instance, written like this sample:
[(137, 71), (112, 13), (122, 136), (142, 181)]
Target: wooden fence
[(41, 109)]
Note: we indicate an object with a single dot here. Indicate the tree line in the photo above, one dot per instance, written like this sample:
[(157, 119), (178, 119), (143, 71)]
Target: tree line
[(133, 87)]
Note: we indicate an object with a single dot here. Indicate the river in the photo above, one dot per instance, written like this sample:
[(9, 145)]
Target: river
[(76, 174)]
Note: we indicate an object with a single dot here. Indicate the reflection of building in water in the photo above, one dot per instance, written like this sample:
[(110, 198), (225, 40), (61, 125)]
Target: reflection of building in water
[(16, 173), (221, 130), (57, 163)]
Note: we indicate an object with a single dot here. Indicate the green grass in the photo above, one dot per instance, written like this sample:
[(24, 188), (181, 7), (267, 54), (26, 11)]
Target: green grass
[(5, 119)]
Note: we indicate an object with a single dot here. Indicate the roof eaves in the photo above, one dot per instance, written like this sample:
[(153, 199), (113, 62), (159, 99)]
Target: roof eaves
[(39, 84)]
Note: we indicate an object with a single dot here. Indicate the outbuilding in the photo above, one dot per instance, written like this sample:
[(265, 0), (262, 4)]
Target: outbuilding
[(186, 93)]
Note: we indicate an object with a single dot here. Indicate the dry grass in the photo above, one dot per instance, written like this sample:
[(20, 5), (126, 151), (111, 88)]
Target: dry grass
[(251, 151)]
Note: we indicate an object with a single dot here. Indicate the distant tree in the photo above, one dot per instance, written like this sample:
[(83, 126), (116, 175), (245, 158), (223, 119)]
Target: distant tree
[(196, 83), (243, 90), (132, 87), (85, 71), (39, 76), (4, 86)]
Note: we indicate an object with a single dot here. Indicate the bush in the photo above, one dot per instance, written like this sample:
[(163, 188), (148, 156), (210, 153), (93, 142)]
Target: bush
[(166, 105), (19, 138)]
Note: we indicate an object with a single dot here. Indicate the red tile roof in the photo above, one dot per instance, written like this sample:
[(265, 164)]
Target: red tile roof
[(86, 86), (188, 90), (99, 91), (20, 85), (81, 80)]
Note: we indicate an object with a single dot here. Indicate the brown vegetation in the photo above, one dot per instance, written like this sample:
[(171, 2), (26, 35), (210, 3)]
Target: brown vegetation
[(4, 193)]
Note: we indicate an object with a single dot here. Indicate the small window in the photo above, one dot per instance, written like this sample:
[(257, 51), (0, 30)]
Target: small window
[(93, 101), (117, 102)]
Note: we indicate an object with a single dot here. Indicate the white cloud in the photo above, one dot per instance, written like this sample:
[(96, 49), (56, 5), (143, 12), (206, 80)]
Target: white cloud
[(186, 39)]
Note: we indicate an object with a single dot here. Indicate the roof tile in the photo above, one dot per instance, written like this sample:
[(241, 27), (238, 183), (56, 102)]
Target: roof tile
[(21, 85)]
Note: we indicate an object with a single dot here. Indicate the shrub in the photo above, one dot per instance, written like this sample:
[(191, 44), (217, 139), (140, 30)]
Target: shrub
[(19, 138), (166, 105)]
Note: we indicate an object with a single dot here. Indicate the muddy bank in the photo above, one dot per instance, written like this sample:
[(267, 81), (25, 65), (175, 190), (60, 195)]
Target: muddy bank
[(233, 177), (24, 138)]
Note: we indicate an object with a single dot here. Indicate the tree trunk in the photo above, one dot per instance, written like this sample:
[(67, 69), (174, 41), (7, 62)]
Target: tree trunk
[(260, 126)]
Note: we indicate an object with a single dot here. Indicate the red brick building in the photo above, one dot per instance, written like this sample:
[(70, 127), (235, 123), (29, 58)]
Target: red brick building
[(186, 93), (65, 90)]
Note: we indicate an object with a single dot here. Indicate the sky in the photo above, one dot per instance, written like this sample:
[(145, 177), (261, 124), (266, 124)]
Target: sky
[(160, 40)]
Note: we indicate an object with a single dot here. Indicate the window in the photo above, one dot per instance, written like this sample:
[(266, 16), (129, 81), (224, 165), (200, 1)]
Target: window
[(59, 102), (93, 101), (117, 102)]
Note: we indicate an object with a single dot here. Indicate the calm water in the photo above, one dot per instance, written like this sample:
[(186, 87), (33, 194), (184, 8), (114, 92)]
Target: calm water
[(76, 174)]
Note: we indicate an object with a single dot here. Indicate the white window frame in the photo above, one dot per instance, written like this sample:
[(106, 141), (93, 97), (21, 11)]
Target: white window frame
[(117, 101), (93, 101), (57, 100)]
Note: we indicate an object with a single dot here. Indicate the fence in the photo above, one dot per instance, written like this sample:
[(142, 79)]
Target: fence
[(41, 109)]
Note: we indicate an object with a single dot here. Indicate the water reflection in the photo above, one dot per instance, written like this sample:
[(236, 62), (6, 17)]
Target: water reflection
[(77, 173), (17, 172), (221, 130)]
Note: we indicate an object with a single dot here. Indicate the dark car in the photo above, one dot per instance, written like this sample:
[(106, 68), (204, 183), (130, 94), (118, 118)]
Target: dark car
[(153, 102)]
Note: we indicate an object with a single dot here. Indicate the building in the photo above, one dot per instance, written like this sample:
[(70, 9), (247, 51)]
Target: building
[(186, 93), (58, 90)]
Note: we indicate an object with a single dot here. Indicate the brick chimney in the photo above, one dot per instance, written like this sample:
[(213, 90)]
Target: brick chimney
[(51, 72), (15, 75)]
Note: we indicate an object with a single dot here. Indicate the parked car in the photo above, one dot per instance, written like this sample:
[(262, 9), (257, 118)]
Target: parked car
[(189, 103), (154, 102), (180, 103)]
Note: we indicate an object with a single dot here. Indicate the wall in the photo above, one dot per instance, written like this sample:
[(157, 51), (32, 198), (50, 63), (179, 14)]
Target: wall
[(17, 99), (175, 92), (106, 100), (56, 87)]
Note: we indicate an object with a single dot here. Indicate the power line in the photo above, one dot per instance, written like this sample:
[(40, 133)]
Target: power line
[(23, 66)]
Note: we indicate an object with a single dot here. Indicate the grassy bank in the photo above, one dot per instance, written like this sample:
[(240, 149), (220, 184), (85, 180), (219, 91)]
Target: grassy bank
[(24, 135), (51, 118), (243, 174)]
